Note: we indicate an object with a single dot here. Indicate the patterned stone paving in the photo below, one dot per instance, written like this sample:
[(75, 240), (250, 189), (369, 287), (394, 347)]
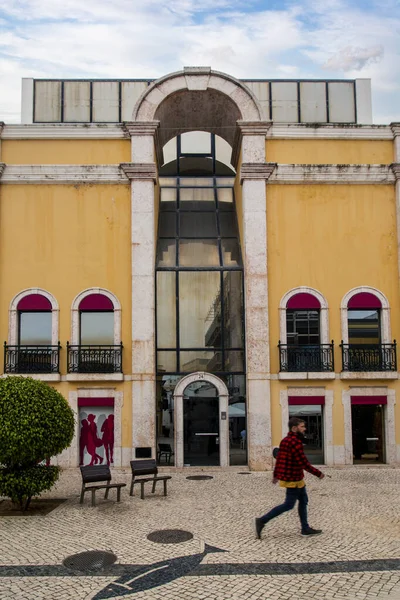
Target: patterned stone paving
[(356, 558)]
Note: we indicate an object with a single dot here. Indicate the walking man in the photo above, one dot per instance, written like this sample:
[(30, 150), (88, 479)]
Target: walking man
[(290, 463)]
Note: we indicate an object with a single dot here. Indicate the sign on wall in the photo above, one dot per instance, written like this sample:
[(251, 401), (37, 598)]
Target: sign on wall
[(96, 431)]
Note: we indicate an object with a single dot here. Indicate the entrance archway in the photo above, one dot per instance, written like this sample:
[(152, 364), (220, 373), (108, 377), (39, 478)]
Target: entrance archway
[(223, 422)]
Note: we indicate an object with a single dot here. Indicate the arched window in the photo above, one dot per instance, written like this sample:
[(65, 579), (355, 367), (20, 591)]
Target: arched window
[(366, 339), (304, 337), (33, 333), (96, 333)]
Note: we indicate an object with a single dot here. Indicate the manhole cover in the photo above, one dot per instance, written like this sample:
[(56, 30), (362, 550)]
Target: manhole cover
[(170, 536), (199, 477), (93, 560), (244, 473)]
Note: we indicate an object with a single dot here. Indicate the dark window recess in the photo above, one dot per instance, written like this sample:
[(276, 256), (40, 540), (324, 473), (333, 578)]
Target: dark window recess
[(302, 327), (142, 452)]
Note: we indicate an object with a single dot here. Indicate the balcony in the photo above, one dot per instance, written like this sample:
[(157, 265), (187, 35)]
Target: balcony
[(94, 359), (369, 357), (308, 358), (31, 359)]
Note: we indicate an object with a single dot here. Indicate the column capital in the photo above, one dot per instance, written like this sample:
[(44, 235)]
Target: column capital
[(256, 171), (396, 170), (395, 127), (2, 167), (141, 128), (144, 171), (253, 127)]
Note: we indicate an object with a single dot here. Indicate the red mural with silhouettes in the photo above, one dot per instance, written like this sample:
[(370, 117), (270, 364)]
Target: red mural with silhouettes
[(96, 435)]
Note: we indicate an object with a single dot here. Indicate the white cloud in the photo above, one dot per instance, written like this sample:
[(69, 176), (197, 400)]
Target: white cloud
[(131, 39)]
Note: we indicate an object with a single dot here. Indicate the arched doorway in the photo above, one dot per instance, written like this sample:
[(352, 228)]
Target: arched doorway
[(201, 403)]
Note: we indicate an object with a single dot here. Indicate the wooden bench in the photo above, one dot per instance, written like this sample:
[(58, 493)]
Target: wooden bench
[(140, 468), (98, 474)]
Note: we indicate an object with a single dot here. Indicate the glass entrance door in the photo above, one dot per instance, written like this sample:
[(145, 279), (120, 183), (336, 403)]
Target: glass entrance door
[(368, 433), (201, 425)]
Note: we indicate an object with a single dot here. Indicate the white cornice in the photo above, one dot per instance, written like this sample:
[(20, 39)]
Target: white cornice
[(58, 131), (140, 170), (339, 131), (2, 167), (332, 174), (256, 171), (63, 174), (140, 127)]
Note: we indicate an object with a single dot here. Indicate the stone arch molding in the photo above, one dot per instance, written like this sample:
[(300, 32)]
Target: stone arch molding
[(13, 316), (385, 313), (75, 313), (324, 318), (223, 395), (197, 79)]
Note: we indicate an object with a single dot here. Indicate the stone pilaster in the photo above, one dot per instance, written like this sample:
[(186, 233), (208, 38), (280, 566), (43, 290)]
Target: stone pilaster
[(253, 175), (142, 172), (396, 170), (396, 135)]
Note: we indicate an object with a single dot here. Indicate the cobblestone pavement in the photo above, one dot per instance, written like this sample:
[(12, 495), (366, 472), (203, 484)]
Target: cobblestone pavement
[(356, 558)]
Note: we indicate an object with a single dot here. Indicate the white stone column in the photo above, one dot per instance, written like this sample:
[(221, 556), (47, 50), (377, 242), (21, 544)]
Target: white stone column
[(254, 174), (142, 173)]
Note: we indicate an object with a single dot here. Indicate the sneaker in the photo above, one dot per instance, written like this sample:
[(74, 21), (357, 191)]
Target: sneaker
[(258, 527), (311, 531)]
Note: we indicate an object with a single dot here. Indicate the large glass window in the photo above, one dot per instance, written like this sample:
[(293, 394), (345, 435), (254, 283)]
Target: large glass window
[(302, 327), (199, 285), (364, 326), (97, 328), (34, 328)]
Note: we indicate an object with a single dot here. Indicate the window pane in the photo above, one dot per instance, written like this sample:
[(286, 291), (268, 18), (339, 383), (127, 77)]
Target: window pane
[(197, 199), (198, 225), (225, 181), (303, 327), (196, 142), (225, 198), (198, 253), (231, 253), (233, 310), (97, 328), (234, 361), (190, 181), (166, 362), (35, 328), (201, 360), (227, 224), (167, 224), (166, 309), (364, 326), (199, 309), (166, 181), (166, 253), (168, 199), (200, 166)]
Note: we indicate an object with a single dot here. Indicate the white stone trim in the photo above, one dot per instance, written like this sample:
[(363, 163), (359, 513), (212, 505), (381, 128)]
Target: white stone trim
[(327, 413), (334, 131), (53, 377), (199, 78), (385, 312), (63, 174), (75, 315), (223, 396), (324, 316), (13, 315), (94, 377), (70, 456), (63, 131), (287, 376), (389, 420), (297, 174), (369, 375)]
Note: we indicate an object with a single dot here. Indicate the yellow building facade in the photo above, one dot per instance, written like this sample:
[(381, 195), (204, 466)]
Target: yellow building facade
[(191, 277)]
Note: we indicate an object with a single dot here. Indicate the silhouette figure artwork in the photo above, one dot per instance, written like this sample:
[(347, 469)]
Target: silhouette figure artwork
[(108, 438), (96, 436)]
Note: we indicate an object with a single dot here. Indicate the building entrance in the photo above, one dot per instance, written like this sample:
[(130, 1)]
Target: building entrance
[(368, 433), (201, 425)]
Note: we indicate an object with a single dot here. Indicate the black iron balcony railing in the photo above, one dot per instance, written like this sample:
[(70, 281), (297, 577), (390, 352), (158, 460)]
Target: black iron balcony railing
[(31, 359), (369, 357), (314, 358), (94, 359)]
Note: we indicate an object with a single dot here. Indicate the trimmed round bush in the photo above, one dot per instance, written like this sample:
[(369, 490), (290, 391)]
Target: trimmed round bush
[(36, 423)]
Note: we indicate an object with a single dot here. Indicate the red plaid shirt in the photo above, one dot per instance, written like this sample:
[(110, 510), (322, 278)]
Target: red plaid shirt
[(291, 460)]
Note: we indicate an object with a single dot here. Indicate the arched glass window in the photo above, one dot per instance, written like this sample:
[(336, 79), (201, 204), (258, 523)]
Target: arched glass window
[(364, 319), (34, 321), (96, 317), (303, 320), (199, 280)]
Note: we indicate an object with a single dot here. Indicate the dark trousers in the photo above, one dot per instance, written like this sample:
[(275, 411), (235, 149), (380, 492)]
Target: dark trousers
[(292, 495)]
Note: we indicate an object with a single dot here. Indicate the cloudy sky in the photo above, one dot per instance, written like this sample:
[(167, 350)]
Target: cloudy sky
[(246, 38)]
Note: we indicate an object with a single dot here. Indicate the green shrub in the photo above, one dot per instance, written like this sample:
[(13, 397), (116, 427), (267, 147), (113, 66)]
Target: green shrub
[(36, 423)]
